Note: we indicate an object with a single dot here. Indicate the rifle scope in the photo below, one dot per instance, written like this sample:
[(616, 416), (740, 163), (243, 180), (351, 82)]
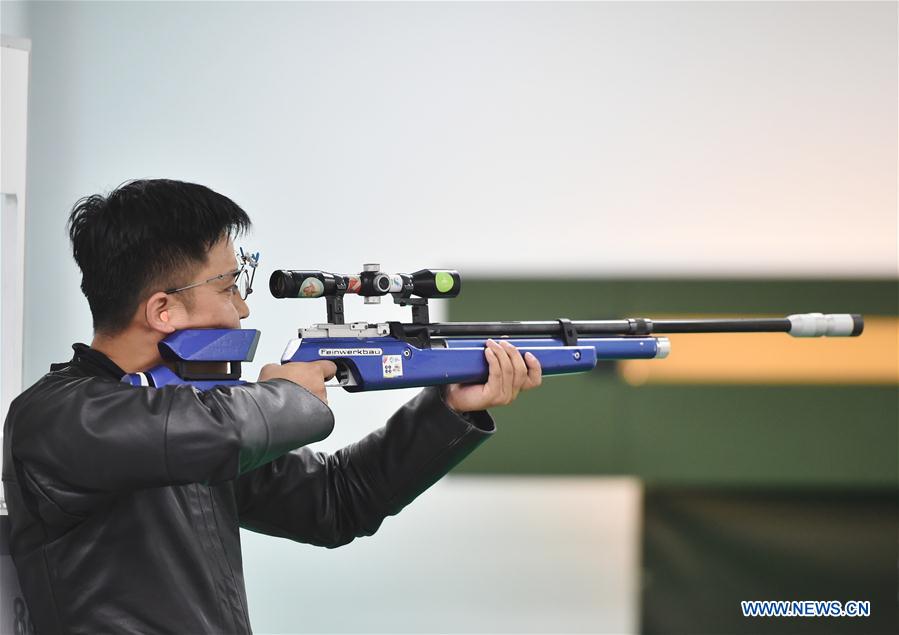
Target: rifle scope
[(425, 283)]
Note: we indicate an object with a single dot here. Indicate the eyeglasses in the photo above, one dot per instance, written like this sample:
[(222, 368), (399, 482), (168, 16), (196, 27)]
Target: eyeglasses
[(243, 275)]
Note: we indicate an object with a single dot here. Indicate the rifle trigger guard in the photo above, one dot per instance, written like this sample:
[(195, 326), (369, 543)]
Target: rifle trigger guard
[(569, 332)]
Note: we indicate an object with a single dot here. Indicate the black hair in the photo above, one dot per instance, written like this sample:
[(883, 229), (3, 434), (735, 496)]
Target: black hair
[(145, 235)]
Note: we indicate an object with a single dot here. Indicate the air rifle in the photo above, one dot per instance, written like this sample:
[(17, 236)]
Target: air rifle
[(389, 355)]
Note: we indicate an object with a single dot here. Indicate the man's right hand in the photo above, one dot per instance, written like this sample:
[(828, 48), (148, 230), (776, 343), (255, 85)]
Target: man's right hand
[(310, 375)]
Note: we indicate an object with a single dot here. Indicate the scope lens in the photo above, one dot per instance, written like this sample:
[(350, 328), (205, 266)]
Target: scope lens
[(436, 283), (277, 284), (382, 283)]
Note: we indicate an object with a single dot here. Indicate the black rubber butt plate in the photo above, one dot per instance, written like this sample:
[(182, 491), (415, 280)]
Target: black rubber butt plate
[(858, 325)]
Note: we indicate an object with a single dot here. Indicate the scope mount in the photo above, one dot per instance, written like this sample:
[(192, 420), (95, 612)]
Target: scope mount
[(420, 313)]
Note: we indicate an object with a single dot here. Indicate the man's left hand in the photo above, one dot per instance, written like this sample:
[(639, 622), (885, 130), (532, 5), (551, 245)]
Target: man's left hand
[(509, 374)]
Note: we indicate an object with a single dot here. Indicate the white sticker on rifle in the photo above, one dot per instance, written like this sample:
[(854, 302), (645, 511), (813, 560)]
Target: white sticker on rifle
[(353, 352), (393, 366)]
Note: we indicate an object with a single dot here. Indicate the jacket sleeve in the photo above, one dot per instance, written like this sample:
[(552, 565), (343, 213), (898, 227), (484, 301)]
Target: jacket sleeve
[(100, 435), (330, 499)]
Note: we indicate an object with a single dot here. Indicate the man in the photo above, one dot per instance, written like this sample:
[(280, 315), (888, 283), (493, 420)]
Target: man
[(125, 502)]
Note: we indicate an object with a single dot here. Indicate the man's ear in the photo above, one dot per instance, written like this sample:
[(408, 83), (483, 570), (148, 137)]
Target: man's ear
[(163, 314)]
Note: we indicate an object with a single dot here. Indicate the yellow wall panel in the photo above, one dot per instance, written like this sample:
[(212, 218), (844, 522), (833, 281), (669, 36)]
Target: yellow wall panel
[(774, 358)]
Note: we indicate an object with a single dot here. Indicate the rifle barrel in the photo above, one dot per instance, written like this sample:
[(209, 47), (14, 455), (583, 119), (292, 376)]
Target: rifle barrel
[(801, 325)]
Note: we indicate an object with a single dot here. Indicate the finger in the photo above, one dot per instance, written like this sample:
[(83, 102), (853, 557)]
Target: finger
[(494, 371), (328, 369), (496, 383), (506, 364), (535, 371), (519, 369)]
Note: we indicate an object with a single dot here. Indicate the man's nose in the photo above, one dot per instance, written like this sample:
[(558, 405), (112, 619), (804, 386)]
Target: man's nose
[(243, 309)]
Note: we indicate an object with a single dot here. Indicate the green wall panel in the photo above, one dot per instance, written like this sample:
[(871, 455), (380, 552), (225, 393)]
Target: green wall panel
[(706, 549), (689, 434)]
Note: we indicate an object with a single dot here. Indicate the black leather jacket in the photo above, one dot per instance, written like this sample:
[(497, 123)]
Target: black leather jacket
[(125, 502)]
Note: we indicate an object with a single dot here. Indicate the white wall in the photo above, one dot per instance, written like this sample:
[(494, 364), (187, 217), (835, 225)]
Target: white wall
[(472, 555), (747, 139), (14, 113)]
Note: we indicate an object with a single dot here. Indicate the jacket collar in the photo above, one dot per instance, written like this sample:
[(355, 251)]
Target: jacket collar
[(92, 362)]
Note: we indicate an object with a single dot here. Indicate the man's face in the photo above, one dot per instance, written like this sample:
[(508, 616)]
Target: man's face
[(216, 304)]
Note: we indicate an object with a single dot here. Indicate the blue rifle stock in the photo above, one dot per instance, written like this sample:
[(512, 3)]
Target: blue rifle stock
[(389, 355)]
